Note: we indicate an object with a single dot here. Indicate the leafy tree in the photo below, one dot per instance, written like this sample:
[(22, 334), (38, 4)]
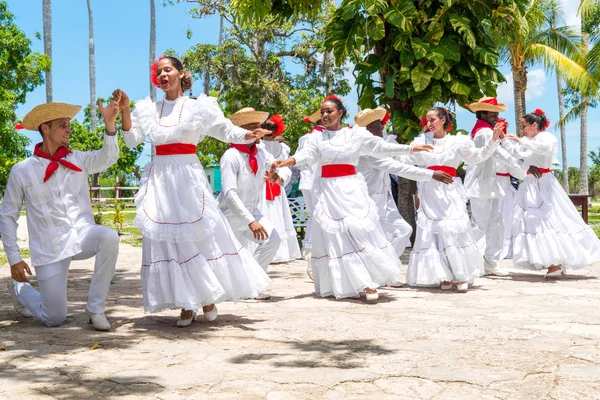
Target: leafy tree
[(255, 74), (21, 70)]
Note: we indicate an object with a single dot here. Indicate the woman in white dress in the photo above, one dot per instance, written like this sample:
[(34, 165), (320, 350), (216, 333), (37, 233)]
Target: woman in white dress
[(445, 250), (548, 231), (350, 251), (273, 201), (190, 257)]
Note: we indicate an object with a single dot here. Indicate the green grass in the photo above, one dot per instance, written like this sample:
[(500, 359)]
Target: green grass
[(4, 259), (129, 233)]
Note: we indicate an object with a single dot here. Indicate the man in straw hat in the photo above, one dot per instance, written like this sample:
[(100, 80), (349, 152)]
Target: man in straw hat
[(482, 186), (307, 177), (376, 172), (243, 169), (53, 184)]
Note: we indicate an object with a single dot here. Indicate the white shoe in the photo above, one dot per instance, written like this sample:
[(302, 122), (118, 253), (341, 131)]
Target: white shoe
[(372, 296), (263, 296), (558, 272), (182, 323), (19, 307), (492, 269), (462, 287), (396, 285), (211, 315), (98, 320), (446, 286)]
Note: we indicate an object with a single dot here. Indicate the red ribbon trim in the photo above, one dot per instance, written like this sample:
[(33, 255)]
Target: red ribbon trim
[(449, 170), (502, 174), (542, 170)]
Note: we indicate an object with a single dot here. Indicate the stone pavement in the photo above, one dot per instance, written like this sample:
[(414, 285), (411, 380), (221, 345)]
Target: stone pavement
[(519, 337)]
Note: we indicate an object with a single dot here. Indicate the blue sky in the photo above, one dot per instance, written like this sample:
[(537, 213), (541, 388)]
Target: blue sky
[(122, 29)]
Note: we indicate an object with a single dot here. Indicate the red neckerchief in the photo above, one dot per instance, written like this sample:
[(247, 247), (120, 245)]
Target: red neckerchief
[(479, 125), (318, 128), (55, 160), (251, 151), (273, 190)]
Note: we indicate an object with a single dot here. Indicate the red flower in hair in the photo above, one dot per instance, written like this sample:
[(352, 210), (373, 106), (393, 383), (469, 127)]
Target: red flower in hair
[(278, 121), (449, 128), (19, 127), (306, 120), (385, 119), (540, 112), (153, 74), (423, 122), (334, 97)]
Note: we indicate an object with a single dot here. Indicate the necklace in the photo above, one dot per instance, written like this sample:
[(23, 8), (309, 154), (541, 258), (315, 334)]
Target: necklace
[(161, 114)]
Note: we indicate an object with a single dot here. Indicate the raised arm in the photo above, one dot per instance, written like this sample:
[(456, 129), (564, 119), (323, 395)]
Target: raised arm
[(99, 160)]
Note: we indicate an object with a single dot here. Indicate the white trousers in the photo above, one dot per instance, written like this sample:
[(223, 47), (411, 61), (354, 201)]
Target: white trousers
[(489, 224), (308, 205), (50, 303), (265, 250), (396, 229)]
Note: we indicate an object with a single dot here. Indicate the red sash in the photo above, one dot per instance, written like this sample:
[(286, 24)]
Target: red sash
[(542, 170), (449, 170), (502, 174), (337, 170), (175, 148)]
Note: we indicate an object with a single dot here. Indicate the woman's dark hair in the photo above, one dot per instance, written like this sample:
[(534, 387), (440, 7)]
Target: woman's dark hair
[(539, 117), (269, 125), (443, 113), (186, 81), (338, 103)]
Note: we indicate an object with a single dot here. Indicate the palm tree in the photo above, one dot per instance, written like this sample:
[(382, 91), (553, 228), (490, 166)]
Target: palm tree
[(152, 46), (92, 68), (533, 39), (47, 18)]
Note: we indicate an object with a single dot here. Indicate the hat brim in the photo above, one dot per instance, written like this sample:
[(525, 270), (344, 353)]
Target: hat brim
[(364, 119), (315, 117), (250, 117), (49, 112), (487, 107)]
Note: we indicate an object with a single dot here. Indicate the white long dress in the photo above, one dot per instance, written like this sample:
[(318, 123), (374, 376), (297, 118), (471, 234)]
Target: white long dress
[(547, 228), (445, 247), (350, 251), (278, 210), (190, 257)]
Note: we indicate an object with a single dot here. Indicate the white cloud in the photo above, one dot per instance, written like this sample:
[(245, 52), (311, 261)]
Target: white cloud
[(569, 8), (536, 84)]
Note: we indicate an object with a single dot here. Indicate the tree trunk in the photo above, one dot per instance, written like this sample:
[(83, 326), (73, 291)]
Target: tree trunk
[(563, 134), (519, 87), (328, 63), (583, 152), (47, 18), (206, 83), (406, 204), (152, 46), (93, 112)]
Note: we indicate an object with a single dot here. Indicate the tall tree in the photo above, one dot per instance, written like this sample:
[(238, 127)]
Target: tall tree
[(532, 38), (21, 71), (92, 61), (47, 23)]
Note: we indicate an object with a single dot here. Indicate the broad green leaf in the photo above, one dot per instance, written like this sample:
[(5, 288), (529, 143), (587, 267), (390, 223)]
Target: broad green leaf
[(420, 47), (401, 16), (435, 33), (437, 58), (406, 57), (350, 9), (366, 98), (462, 26), (400, 42), (459, 87), (421, 76), (369, 65), (486, 57), (374, 7), (425, 100), (390, 84), (375, 28), (448, 48)]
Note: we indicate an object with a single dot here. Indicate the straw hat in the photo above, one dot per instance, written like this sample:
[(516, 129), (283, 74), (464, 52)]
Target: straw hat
[(315, 117), (366, 116), (247, 116), (48, 112), (487, 104)]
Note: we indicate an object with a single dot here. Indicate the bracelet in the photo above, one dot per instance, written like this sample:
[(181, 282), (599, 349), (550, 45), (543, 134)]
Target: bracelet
[(110, 133)]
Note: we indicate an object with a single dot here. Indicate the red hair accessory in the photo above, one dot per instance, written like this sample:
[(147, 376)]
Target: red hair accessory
[(540, 112), (503, 121), (278, 121), (385, 119), (153, 74), (334, 97), (306, 120), (423, 122), (19, 127)]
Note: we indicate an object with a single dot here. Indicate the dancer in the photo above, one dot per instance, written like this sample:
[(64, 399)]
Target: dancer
[(273, 202), (376, 172), (190, 256), (53, 184), (350, 251), (483, 186), (548, 231), (243, 170), (445, 249)]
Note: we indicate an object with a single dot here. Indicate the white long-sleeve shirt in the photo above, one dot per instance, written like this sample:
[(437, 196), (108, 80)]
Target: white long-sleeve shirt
[(241, 189), (376, 172), (539, 151), (480, 179), (57, 209), (307, 171)]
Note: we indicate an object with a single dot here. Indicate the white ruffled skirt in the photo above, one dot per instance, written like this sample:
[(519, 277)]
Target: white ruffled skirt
[(278, 212), (350, 251), (445, 247), (190, 256), (547, 228), (506, 204)]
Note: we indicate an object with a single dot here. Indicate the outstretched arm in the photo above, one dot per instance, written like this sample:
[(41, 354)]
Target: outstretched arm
[(99, 160)]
